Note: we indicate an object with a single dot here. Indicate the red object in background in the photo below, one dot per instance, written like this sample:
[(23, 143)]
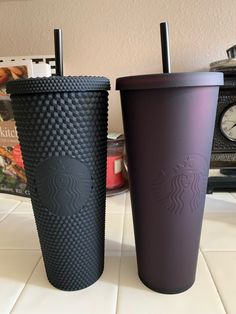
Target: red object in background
[(18, 156), (114, 172), (115, 147)]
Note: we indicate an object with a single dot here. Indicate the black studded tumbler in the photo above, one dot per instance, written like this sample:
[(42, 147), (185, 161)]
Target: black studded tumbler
[(62, 128)]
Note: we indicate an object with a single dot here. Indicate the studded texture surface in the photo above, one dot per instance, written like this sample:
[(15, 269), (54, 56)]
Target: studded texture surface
[(72, 124), (58, 84)]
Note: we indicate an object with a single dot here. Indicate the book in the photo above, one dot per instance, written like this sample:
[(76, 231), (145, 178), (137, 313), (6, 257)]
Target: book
[(12, 173)]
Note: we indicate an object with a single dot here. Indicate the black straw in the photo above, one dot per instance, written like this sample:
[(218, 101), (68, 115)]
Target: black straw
[(165, 47), (58, 51)]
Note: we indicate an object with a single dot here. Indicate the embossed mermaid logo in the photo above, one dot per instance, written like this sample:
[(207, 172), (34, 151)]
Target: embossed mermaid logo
[(63, 185), (183, 186)]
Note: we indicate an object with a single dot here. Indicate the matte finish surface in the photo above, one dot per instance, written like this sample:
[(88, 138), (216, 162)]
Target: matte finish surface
[(63, 138), (167, 80), (169, 137)]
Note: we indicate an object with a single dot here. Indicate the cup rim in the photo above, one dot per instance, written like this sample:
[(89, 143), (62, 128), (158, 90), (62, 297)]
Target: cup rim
[(170, 80), (55, 84)]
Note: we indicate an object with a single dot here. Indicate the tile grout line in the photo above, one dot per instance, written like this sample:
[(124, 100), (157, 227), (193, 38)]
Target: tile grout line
[(20, 249), (218, 251), (25, 284), (232, 194), (212, 277), (118, 284), (10, 212), (17, 198)]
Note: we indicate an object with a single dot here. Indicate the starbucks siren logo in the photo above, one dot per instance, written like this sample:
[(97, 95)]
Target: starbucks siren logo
[(183, 186), (63, 185)]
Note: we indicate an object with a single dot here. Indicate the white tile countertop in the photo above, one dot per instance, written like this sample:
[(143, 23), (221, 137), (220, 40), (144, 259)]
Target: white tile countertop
[(24, 288)]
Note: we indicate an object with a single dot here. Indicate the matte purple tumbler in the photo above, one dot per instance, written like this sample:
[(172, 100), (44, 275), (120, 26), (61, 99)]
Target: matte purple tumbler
[(168, 123)]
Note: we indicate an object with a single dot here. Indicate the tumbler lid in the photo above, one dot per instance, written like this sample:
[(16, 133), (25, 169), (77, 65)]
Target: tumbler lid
[(55, 84), (168, 80)]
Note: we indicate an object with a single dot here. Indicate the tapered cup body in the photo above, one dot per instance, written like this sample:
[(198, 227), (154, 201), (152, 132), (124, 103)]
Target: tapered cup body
[(62, 128), (168, 123)]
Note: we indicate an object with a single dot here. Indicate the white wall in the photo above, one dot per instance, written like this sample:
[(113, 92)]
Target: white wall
[(119, 37)]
